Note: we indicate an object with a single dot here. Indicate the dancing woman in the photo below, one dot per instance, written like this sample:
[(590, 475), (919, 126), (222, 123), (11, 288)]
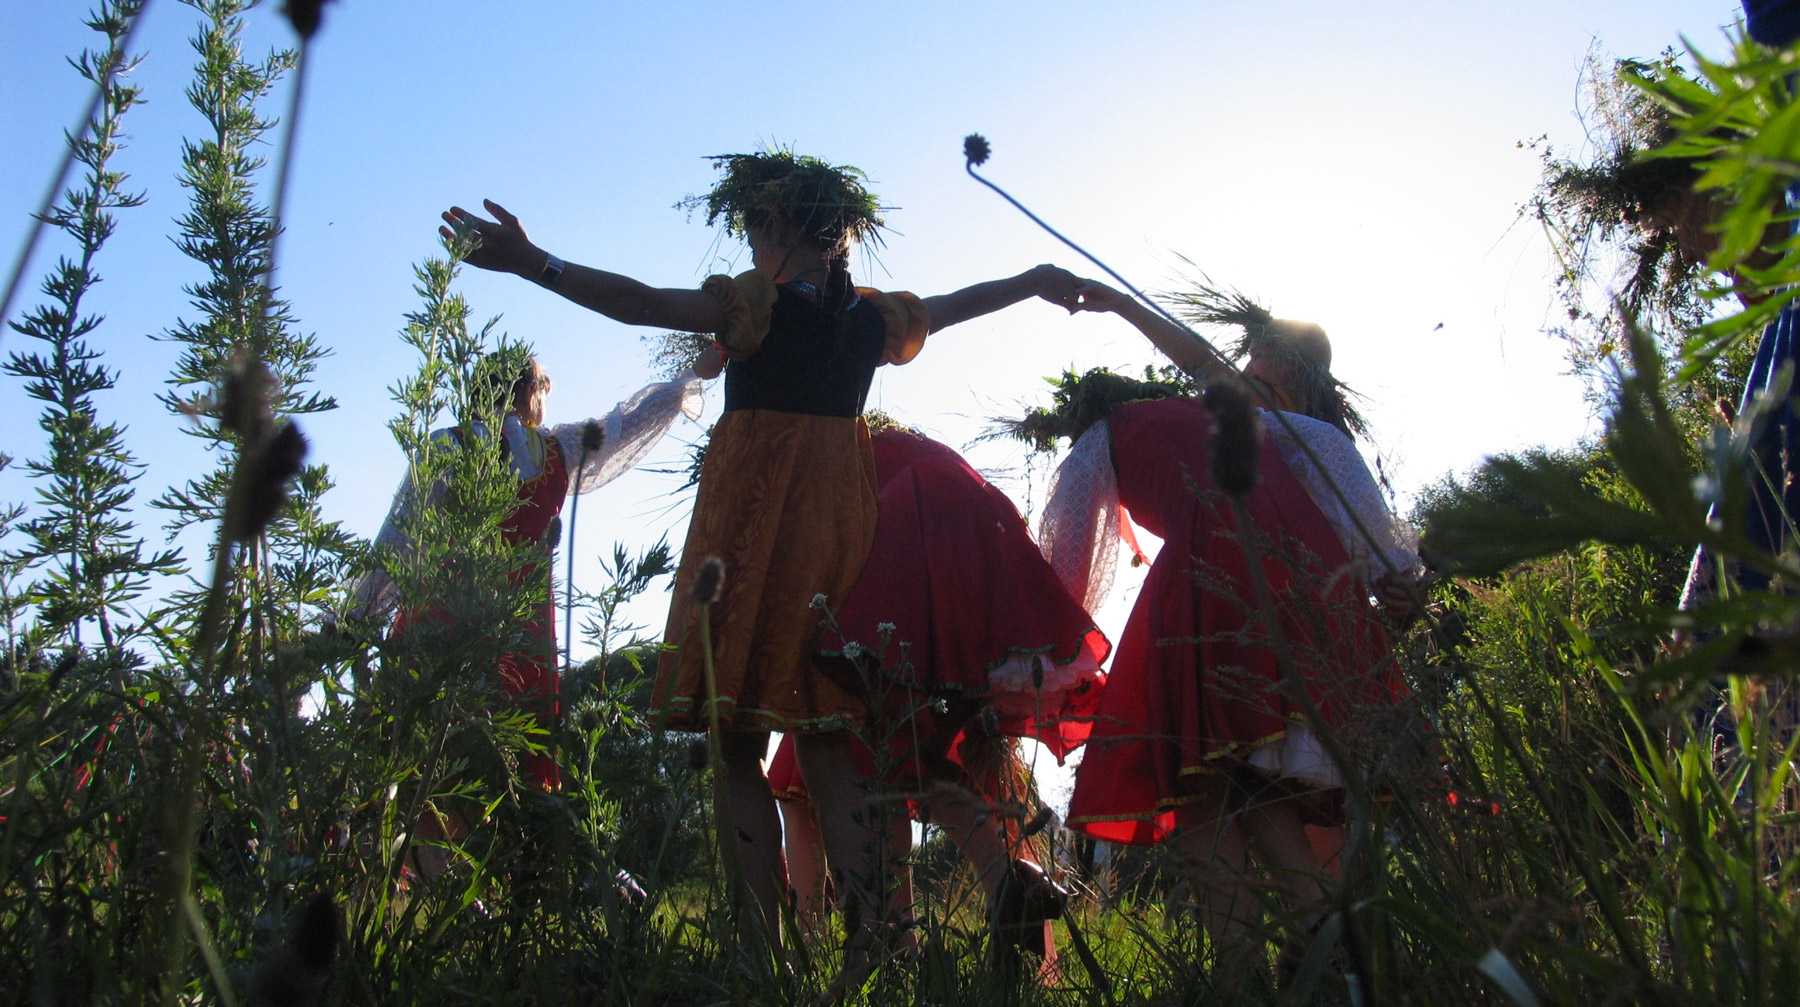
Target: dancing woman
[(787, 492), (551, 463), (970, 641), (1247, 640)]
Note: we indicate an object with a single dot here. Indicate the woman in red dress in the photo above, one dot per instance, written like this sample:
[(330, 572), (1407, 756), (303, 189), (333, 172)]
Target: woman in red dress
[(1254, 633), (551, 462), (955, 606)]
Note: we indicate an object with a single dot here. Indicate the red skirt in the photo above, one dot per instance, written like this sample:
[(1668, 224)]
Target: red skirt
[(528, 678), (956, 600), (1197, 685)]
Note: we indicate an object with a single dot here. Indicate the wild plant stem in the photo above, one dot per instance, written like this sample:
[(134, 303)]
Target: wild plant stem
[(39, 219)]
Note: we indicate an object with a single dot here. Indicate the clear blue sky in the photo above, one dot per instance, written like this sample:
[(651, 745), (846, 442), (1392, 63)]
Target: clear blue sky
[(1354, 164)]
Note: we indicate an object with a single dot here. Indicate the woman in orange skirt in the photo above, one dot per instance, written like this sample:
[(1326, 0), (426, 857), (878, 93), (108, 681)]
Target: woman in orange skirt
[(787, 491)]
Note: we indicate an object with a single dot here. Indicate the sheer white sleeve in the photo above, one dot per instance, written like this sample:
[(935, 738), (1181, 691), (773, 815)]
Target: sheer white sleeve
[(1343, 466), (627, 433), (374, 598), (1079, 532)]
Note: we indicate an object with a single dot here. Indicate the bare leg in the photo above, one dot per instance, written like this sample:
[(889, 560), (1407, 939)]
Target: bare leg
[(1217, 852), (433, 830), (980, 837), (856, 833), (806, 864), (750, 833), (1328, 845), (1279, 838)]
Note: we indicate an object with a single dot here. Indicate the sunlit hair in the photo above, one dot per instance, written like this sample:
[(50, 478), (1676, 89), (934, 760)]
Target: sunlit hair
[(1303, 352), (1300, 350)]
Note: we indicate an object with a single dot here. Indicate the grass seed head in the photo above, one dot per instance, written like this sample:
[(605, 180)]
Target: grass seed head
[(699, 754), (1237, 437), (709, 584)]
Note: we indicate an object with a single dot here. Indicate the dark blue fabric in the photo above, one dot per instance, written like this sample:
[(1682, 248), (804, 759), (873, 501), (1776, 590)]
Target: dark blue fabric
[(1774, 505), (1772, 512), (1773, 22), (810, 363)]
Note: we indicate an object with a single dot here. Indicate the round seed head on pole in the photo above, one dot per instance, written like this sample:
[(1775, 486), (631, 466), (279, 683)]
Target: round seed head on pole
[(709, 583)]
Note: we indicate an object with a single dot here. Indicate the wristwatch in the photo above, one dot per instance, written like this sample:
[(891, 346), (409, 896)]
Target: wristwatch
[(552, 271)]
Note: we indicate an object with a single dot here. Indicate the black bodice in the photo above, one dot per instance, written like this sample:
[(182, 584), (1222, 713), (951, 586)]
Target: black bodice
[(805, 364)]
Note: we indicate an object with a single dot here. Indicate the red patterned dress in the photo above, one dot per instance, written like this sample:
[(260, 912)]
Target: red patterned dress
[(1196, 683), (551, 463)]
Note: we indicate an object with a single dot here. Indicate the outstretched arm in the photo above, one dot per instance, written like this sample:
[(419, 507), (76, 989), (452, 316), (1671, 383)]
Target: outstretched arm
[(503, 246), (600, 450), (1053, 284), (1187, 350)]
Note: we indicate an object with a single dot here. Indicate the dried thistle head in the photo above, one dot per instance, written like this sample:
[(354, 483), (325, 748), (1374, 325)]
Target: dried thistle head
[(699, 754), (976, 150), (296, 973), (245, 399), (304, 15), (1038, 823), (709, 583), (272, 464), (593, 436)]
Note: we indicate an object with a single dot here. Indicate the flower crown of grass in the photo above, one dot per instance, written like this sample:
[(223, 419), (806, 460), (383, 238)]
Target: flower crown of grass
[(1081, 400), (1625, 177), (1261, 335), (824, 202)]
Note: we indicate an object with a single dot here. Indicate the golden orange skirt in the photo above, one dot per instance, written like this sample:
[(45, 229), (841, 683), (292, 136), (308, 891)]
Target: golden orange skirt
[(787, 501)]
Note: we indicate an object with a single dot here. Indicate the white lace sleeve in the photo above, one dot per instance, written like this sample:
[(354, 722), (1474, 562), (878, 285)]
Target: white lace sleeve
[(373, 599), (1344, 466), (1079, 533), (628, 432)]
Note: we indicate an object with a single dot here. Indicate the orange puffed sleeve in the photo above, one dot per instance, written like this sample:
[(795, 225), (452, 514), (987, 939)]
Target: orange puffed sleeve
[(908, 323), (747, 299)]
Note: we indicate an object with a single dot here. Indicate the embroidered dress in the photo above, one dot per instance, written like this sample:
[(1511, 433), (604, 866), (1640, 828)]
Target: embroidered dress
[(786, 501), (970, 611), (1196, 682), (551, 464)]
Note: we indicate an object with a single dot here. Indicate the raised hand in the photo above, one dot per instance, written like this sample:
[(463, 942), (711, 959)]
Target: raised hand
[(499, 244)]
